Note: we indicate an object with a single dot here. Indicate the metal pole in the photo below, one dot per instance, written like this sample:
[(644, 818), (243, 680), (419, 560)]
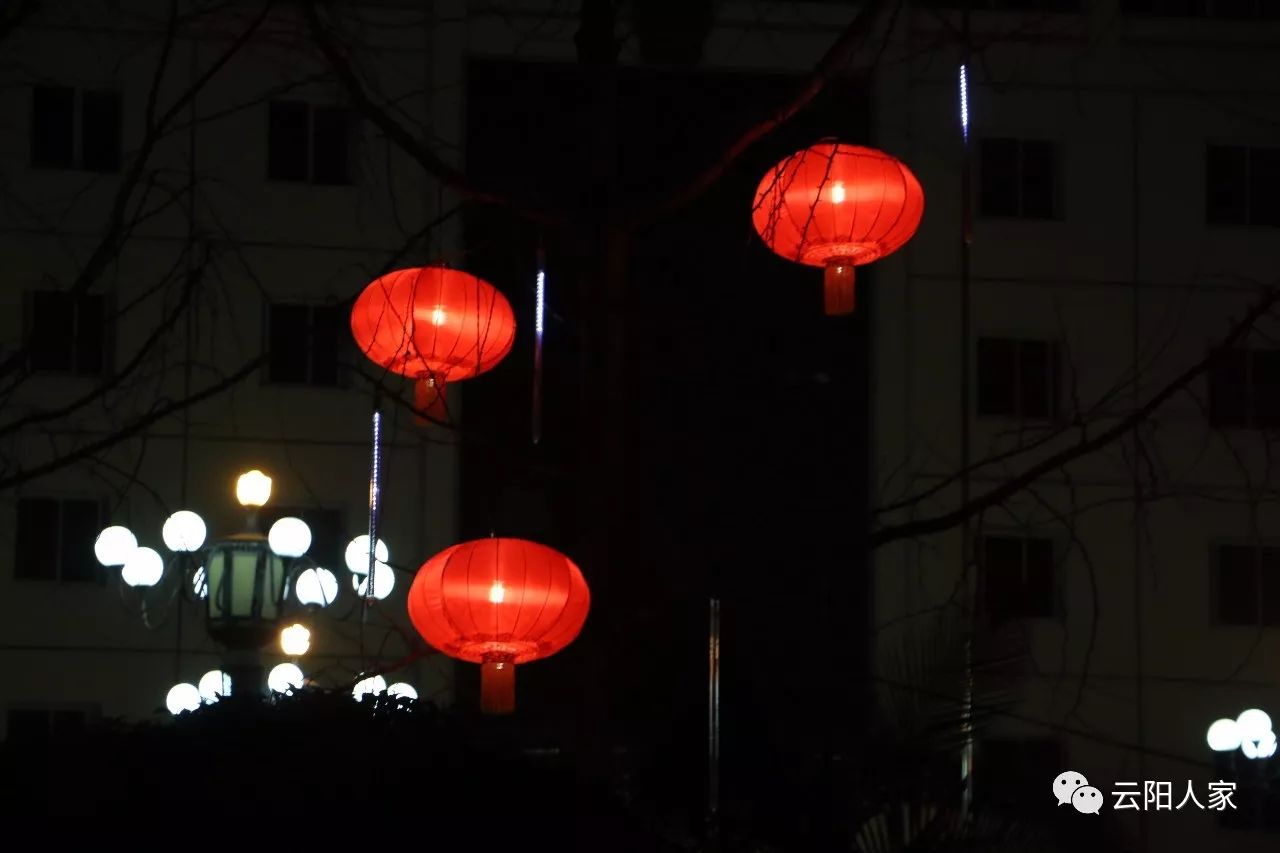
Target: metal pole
[(713, 723)]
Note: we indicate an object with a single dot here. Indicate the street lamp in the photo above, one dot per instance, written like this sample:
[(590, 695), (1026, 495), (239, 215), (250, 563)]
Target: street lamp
[(1249, 735), (244, 580)]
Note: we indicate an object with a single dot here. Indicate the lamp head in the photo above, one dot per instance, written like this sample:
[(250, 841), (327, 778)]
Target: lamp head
[(253, 489)]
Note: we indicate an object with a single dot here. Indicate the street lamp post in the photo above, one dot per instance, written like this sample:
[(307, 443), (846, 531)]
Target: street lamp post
[(246, 581), (1248, 744)]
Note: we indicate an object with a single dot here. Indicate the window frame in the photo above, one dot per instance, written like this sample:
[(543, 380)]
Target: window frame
[(1251, 420), (1057, 186), (99, 577), (351, 126), (1216, 547), (341, 380), (1057, 553), (77, 160), (107, 367), (1055, 379), (1247, 192)]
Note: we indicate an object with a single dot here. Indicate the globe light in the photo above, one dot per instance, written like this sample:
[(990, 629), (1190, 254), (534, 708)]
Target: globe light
[(289, 537), (200, 583), (316, 586), (182, 697), (253, 488), (143, 568), (184, 531), (214, 684), (114, 545), (374, 684), (285, 677), (1263, 747), (402, 690), (357, 556), (384, 580), (1253, 724), (295, 640), (1223, 736)]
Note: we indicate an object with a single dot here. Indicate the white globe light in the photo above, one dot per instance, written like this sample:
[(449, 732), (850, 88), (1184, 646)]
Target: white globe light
[(289, 537), (182, 697), (284, 678), (357, 555), (1223, 736), (384, 581), (316, 586), (295, 640), (374, 684), (200, 583), (114, 545), (214, 684), (1253, 724), (143, 568), (402, 689), (184, 531), (1263, 747)]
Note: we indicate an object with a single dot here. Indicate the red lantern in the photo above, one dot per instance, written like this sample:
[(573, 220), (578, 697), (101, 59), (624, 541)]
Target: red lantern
[(435, 325), (498, 603), (838, 206)]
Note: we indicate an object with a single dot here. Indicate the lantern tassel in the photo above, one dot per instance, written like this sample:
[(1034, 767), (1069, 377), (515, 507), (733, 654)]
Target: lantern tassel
[(837, 287), (428, 400), (497, 686)]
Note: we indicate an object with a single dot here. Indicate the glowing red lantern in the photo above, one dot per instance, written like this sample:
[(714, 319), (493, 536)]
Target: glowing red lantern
[(498, 603), (838, 206), (435, 325)]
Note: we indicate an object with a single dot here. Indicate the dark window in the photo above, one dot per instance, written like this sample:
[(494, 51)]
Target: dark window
[(39, 725), (1018, 178), (1018, 577), (1247, 585), (1227, 10), (303, 343), (1242, 185), (54, 539), (308, 143), (1017, 378), (54, 129), (328, 532), (1244, 388), (100, 131), (67, 333), (53, 126), (1011, 770)]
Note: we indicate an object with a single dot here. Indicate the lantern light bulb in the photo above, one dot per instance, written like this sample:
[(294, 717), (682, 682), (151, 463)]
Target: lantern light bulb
[(253, 488), (1223, 736), (295, 640), (497, 593), (144, 567), (214, 684), (316, 586), (964, 101), (540, 304), (374, 684), (289, 537), (357, 554), (114, 545), (837, 193), (1253, 724), (1261, 747), (402, 690), (285, 677), (182, 697), (438, 316), (384, 581), (200, 583), (184, 531)]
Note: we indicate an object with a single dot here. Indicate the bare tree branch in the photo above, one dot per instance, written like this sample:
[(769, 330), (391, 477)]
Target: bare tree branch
[(836, 58), (24, 475), (1014, 485)]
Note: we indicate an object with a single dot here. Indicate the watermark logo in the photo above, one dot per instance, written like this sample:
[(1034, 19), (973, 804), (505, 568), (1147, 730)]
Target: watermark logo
[(1072, 787)]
